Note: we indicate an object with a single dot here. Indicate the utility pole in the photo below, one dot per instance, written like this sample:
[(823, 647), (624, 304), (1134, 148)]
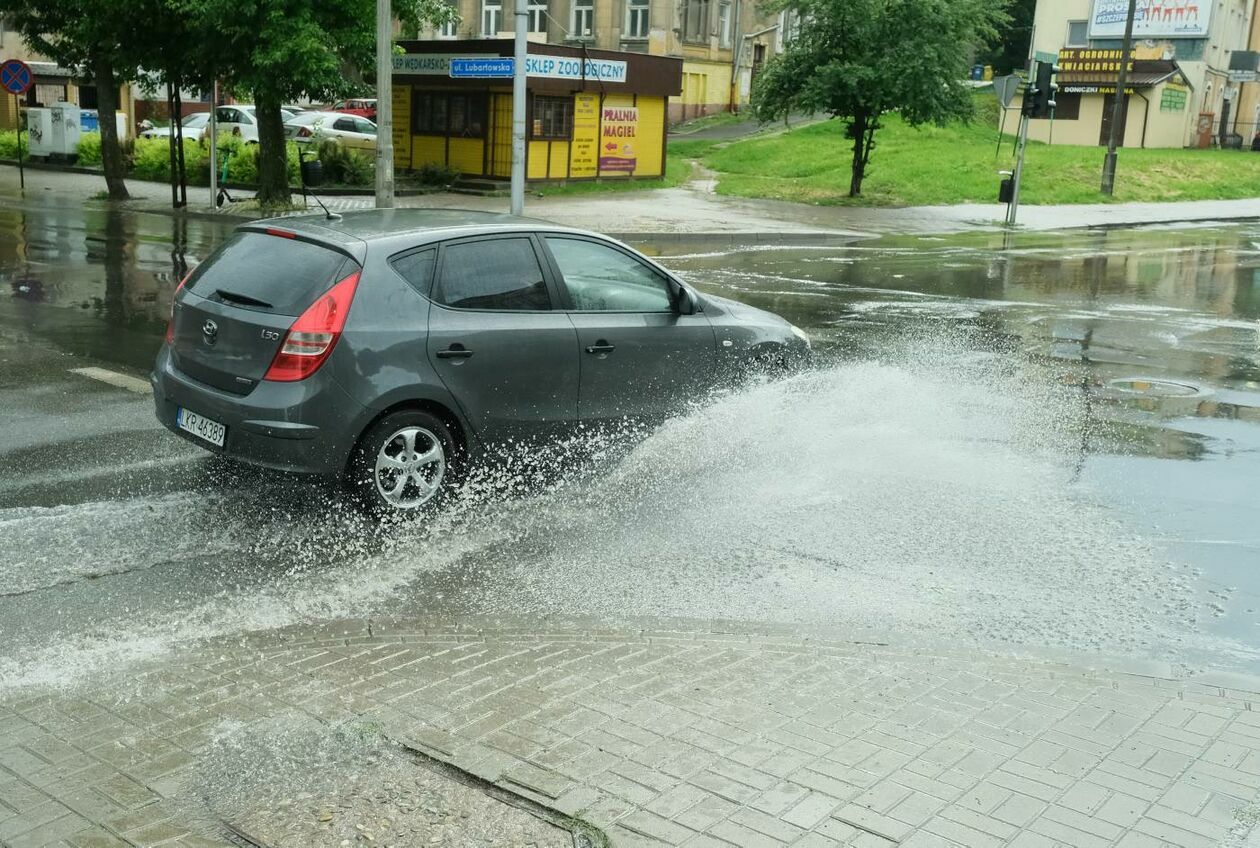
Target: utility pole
[(384, 105), (518, 108), (1120, 107)]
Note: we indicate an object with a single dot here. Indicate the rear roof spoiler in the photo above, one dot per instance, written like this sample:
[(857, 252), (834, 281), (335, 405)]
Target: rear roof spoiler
[(343, 243)]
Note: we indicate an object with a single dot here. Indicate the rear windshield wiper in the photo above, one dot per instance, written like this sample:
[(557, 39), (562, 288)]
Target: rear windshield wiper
[(242, 299)]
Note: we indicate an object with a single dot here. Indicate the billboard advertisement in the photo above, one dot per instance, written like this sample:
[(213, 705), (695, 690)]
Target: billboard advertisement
[(1153, 19)]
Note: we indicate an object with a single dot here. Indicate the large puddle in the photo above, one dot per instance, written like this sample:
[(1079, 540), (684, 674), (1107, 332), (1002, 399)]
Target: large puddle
[(1044, 443)]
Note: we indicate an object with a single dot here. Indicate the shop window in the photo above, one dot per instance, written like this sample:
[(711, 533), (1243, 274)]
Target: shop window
[(537, 15), (468, 115), (696, 21), (724, 24), (445, 113), (583, 22), (553, 118), (637, 19), (1067, 107), (1077, 34), (491, 17)]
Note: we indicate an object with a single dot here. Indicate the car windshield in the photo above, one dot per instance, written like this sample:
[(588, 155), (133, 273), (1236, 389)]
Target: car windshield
[(196, 120)]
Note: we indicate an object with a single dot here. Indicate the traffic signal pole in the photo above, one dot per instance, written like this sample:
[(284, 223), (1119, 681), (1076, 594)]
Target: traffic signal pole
[(1013, 209)]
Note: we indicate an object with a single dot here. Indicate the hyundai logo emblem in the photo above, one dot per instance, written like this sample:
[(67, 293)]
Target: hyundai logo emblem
[(211, 331)]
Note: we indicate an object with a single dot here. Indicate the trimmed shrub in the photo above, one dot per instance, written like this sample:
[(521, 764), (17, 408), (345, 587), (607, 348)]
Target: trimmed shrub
[(9, 144), (434, 174), (89, 149)]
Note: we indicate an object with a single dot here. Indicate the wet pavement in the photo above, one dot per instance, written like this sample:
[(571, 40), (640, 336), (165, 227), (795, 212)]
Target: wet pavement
[(1040, 443), (1040, 446)]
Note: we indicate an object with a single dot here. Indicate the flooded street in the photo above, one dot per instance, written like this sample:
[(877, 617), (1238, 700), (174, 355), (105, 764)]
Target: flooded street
[(1040, 444)]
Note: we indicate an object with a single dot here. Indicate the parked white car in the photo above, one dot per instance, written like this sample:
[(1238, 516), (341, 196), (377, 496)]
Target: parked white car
[(239, 119), (194, 127), (350, 130)]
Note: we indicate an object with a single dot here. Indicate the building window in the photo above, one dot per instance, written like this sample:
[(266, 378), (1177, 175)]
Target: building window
[(789, 29), (450, 29), (724, 24), (1077, 34), (696, 21), (491, 17), (637, 19), (447, 113), (583, 23), (552, 118), (538, 16)]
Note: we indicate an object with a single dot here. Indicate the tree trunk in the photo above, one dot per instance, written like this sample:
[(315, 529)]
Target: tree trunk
[(107, 107), (858, 171), (273, 178)]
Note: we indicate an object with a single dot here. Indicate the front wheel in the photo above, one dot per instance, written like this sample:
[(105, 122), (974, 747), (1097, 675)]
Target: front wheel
[(405, 465)]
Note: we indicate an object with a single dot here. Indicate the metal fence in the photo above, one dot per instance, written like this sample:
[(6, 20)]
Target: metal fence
[(1238, 135)]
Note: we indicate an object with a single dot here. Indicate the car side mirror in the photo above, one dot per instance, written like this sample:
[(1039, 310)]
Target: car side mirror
[(684, 301)]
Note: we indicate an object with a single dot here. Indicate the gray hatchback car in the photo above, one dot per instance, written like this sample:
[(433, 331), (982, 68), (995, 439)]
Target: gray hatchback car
[(395, 348)]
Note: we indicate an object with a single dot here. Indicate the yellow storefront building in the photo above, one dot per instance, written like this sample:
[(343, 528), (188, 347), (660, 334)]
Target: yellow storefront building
[(589, 113)]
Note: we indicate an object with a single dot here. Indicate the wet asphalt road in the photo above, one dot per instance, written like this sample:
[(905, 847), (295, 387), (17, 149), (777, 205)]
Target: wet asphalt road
[(1042, 443)]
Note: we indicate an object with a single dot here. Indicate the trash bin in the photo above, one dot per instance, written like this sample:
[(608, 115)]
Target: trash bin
[(89, 120), (312, 173), (977, 72)]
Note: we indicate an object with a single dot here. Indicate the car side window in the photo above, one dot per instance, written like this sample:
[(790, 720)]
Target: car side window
[(417, 269), (600, 278), (501, 274), (363, 126), (344, 124), (226, 116)]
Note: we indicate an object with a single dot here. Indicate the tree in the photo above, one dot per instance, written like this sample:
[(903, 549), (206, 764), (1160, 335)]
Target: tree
[(1010, 53), (279, 51), (90, 37), (860, 59)]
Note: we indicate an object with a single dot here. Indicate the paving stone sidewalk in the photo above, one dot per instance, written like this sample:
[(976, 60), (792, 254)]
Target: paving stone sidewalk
[(678, 738)]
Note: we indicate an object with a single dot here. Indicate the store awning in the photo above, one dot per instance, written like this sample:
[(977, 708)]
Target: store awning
[(1146, 73)]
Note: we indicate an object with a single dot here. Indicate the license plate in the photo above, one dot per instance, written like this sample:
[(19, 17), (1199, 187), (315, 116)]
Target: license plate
[(200, 426)]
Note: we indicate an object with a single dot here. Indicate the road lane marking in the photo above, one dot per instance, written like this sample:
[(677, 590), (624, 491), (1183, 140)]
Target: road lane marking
[(113, 378)]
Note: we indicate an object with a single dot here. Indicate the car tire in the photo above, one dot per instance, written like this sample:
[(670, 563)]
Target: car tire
[(406, 465)]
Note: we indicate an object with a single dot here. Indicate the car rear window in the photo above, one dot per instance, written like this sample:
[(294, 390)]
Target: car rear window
[(260, 271)]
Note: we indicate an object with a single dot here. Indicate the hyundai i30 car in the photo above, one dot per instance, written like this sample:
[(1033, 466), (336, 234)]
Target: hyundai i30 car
[(397, 348)]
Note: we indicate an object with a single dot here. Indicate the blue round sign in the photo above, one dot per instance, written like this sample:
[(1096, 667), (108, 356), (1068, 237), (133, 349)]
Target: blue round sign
[(15, 76)]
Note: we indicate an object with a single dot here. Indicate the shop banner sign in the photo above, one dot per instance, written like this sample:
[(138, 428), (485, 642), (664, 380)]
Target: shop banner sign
[(536, 65), (618, 138), (1152, 19)]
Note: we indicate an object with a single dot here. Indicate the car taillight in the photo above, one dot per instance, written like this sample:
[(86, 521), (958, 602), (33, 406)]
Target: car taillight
[(311, 338), (170, 322)]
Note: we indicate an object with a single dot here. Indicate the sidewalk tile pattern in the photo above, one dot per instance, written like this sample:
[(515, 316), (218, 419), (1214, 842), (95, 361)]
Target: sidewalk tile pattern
[(668, 738)]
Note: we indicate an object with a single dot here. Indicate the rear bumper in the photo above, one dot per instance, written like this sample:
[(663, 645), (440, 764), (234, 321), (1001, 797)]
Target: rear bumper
[(306, 427)]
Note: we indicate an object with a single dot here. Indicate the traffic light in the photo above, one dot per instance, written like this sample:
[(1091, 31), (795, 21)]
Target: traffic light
[(1039, 98)]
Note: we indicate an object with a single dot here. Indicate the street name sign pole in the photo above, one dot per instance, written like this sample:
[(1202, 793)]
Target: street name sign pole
[(384, 105), (518, 109), (15, 76)]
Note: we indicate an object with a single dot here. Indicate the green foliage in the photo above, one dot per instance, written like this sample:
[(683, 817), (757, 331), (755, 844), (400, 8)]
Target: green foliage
[(9, 144), (89, 149), (858, 60), (343, 166), (1010, 52), (436, 174), (931, 165)]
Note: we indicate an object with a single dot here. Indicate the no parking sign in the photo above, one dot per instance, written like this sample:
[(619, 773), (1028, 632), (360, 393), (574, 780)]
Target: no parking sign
[(16, 78)]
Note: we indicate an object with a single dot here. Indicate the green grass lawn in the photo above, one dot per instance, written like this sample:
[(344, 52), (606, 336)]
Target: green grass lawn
[(955, 164)]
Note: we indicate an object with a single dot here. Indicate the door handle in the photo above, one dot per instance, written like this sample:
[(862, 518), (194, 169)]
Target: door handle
[(455, 351), (601, 346)]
